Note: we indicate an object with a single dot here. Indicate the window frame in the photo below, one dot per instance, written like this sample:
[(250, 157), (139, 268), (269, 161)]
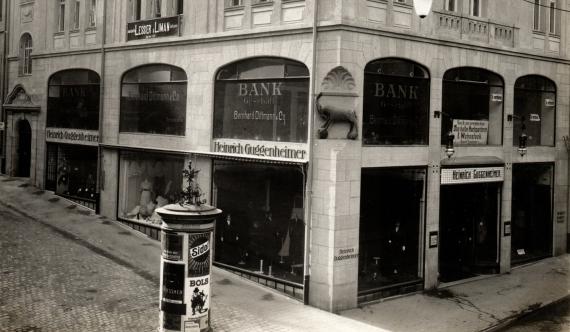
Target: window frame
[(451, 5), (552, 17), (61, 16), (76, 14), (475, 8), (92, 14), (26, 49)]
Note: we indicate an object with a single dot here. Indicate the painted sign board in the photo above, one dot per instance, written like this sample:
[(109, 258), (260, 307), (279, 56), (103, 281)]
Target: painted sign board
[(470, 131), (472, 175), (158, 27), (72, 136), (296, 152)]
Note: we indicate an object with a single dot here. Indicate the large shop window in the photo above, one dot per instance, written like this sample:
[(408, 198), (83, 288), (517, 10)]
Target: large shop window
[(148, 181), (531, 212), (262, 99), (535, 110), (153, 100), (472, 107), (262, 228), (396, 103), (73, 100), (392, 207), (71, 172)]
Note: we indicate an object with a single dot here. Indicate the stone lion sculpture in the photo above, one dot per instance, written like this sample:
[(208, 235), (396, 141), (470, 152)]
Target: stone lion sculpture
[(332, 114)]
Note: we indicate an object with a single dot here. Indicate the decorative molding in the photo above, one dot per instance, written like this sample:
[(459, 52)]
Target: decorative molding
[(338, 79), (27, 13), (19, 99)]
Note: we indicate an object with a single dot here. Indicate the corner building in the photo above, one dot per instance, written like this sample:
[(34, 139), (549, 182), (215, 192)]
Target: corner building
[(430, 186)]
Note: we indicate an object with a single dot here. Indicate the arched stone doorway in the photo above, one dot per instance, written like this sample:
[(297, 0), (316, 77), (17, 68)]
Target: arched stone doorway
[(24, 148)]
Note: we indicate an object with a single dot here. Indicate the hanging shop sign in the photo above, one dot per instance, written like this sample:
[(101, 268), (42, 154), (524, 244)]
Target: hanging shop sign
[(472, 175), (158, 27), (470, 131), (288, 151), (72, 136)]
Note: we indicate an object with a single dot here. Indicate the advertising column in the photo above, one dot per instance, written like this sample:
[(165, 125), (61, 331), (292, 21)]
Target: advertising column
[(187, 239)]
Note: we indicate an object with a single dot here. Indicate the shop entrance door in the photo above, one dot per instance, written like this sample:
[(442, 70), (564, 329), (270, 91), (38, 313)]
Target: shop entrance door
[(469, 215), (24, 148)]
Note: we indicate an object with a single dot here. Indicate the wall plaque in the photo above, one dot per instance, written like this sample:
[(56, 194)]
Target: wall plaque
[(158, 27)]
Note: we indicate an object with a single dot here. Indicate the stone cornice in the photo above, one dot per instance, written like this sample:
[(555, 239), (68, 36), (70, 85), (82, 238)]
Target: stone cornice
[(300, 31)]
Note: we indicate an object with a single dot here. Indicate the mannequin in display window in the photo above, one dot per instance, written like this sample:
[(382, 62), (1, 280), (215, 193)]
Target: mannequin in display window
[(146, 204)]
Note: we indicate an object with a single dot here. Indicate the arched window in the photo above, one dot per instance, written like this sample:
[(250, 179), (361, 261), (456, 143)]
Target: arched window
[(396, 103), (26, 54), (73, 100), (472, 106), (262, 99), (153, 100), (534, 110)]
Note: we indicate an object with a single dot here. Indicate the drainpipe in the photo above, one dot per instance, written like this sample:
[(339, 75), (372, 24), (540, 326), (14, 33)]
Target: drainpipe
[(101, 182), (309, 175), (4, 90)]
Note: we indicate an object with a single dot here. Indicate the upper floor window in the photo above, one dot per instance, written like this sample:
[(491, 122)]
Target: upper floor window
[(92, 13), (25, 54), (534, 110), (472, 106), (234, 3), (476, 8), (396, 103), (536, 15), (61, 16), (156, 8), (263, 99), (76, 9), (134, 10), (451, 5), (73, 99), (552, 16), (153, 100)]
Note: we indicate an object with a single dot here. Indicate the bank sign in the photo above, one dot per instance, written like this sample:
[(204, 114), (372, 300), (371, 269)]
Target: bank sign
[(159, 27), (72, 136), (472, 175)]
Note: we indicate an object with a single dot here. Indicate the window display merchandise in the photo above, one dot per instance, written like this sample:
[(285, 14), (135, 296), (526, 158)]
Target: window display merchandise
[(392, 206), (148, 181), (72, 171), (396, 103), (262, 228), (535, 110)]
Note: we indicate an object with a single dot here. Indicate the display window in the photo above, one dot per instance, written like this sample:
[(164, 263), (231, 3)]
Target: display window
[(73, 100), (392, 208), (153, 100), (531, 227), (262, 228), (472, 107), (396, 103), (262, 99), (148, 181), (535, 110), (72, 172)]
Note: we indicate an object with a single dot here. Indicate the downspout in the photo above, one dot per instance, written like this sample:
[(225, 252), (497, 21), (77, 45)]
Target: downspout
[(4, 91), (308, 177), (100, 178)]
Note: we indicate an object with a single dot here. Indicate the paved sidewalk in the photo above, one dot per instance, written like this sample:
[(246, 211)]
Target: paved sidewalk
[(241, 305), (237, 304)]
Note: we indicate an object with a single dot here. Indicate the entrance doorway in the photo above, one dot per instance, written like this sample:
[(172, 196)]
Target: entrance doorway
[(24, 149), (469, 215)]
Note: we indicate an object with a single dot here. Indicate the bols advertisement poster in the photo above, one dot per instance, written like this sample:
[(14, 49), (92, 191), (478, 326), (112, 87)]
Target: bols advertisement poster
[(172, 246), (173, 281), (198, 254)]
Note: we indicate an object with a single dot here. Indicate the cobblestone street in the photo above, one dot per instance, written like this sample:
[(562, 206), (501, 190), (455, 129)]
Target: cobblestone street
[(50, 282)]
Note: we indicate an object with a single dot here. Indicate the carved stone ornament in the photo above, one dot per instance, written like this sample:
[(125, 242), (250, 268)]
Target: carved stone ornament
[(338, 108), (19, 99)]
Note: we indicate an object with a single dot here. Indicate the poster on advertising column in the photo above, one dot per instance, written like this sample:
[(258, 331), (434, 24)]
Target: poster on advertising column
[(470, 131), (199, 274)]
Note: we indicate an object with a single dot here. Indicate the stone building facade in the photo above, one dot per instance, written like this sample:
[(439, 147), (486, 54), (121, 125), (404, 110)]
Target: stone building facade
[(445, 159)]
